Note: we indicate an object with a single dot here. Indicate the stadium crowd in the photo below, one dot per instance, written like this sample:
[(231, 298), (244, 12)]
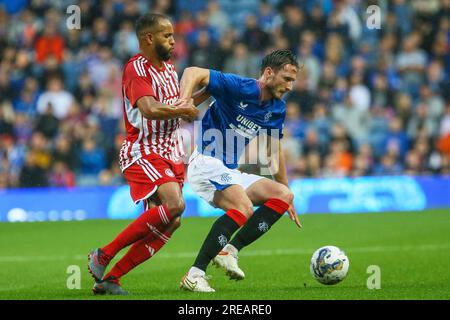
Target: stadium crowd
[(367, 101)]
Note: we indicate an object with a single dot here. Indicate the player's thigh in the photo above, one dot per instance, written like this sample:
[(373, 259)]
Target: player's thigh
[(171, 196), (265, 189), (233, 197)]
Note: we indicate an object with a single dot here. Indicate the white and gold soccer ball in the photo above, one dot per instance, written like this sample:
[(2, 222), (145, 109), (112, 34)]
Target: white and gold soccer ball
[(329, 265)]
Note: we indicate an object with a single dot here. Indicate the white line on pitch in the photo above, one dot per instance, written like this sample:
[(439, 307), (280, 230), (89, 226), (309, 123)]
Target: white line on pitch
[(253, 253)]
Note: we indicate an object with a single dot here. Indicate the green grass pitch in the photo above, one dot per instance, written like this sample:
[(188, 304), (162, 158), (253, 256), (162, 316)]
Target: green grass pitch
[(412, 250)]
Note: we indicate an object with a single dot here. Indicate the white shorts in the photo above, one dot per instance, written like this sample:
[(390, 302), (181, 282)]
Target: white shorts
[(207, 174)]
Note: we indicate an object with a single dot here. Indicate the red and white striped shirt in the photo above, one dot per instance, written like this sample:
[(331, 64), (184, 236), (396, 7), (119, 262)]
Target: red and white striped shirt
[(145, 136)]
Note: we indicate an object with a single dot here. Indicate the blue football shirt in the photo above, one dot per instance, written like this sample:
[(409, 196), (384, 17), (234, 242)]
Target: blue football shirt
[(236, 117)]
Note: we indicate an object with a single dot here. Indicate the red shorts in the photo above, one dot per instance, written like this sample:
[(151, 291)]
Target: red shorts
[(146, 174)]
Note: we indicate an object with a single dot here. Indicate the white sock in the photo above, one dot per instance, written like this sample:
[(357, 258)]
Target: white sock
[(195, 270)]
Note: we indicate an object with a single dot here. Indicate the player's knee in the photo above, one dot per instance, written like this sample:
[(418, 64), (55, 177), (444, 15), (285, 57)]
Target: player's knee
[(176, 223), (176, 207), (283, 193), (245, 208)]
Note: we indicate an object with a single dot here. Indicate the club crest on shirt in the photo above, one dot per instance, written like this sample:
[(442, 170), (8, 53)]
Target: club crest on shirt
[(268, 116), (225, 177), (169, 173)]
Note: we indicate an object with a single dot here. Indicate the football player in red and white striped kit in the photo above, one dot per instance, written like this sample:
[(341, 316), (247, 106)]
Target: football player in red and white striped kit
[(150, 157)]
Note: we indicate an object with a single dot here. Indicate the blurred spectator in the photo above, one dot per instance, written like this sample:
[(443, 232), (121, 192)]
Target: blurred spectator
[(201, 28), (353, 119), (359, 93), (47, 123), (205, 54), (185, 24), (382, 95), (445, 122), (110, 178), (163, 7), (267, 17), (311, 144), (363, 162), (103, 66), (404, 108), (254, 36), (64, 152), (302, 96), (396, 141), (348, 16), (410, 63), (31, 174), (242, 62), (341, 157), (57, 97), (366, 102), (27, 100), (23, 128), (6, 120), (389, 166), (125, 42), (50, 43), (378, 130), (61, 176), (295, 124), (421, 119), (129, 12), (39, 147), (294, 25), (92, 158), (321, 122), (217, 18), (434, 102), (311, 64)]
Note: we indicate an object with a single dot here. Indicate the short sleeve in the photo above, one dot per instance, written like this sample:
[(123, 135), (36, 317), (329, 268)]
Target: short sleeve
[(224, 84), (137, 84)]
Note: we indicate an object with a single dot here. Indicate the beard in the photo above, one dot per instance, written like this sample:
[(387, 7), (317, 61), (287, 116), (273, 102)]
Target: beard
[(274, 92), (163, 53)]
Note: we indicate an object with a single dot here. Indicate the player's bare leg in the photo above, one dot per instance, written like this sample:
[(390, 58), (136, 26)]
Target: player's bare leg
[(274, 200), (265, 189)]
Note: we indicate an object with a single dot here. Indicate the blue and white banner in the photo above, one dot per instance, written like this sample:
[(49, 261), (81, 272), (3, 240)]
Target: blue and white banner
[(341, 195)]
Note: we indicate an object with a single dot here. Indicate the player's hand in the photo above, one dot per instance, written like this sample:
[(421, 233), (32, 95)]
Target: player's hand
[(190, 111), (181, 103), (293, 215)]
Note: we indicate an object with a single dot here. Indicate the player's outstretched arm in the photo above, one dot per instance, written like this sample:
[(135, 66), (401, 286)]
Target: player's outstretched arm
[(155, 110), (193, 77), (200, 96), (280, 175)]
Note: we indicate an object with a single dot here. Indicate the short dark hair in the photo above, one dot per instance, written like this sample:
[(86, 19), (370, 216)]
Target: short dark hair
[(148, 20), (278, 59)]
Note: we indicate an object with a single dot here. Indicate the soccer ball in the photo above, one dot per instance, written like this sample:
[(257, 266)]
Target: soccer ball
[(329, 265)]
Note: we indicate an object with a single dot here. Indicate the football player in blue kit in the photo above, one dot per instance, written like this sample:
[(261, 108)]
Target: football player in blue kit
[(243, 109)]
